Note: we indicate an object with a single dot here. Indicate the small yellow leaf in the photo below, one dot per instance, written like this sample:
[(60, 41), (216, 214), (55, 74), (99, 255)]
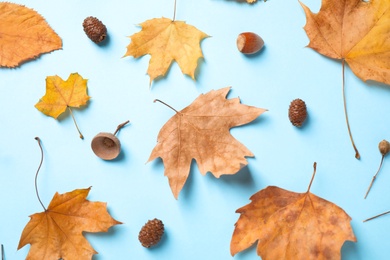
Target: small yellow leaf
[(62, 94), (166, 40), (24, 35)]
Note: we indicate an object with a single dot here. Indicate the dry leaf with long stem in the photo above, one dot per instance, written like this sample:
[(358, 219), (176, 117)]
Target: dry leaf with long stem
[(62, 95), (201, 132), (24, 35), (357, 33), (290, 225), (57, 232), (167, 40)]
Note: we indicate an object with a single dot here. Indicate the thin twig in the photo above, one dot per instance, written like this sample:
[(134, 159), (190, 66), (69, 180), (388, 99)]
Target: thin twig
[(357, 155), (174, 12), (74, 120), (36, 175), (374, 177), (166, 105), (312, 177), (2, 252), (120, 126), (384, 213)]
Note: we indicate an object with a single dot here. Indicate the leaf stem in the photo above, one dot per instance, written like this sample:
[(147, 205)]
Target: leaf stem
[(374, 177), (36, 175), (174, 11), (357, 155), (120, 126), (165, 104), (74, 120), (312, 177), (384, 213)]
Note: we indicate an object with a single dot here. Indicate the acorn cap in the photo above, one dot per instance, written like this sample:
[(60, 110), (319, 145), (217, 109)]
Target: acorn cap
[(106, 146)]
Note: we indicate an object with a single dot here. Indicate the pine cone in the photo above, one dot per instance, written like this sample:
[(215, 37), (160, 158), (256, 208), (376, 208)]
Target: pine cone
[(297, 112), (95, 29), (151, 233)]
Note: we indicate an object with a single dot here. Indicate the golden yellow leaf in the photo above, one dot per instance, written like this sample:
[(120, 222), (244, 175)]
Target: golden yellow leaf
[(57, 232), (62, 94), (355, 31), (201, 131), (24, 35), (166, 40), (290, 226)]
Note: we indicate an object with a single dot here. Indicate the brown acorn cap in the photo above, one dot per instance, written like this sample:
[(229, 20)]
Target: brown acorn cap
[(106, 146)]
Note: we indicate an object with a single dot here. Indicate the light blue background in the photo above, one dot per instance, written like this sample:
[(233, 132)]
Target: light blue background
[(199, 225)]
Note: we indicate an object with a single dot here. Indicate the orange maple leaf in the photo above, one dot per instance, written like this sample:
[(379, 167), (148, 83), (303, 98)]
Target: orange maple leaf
[(166, 40), (24, 35), (291, 225), (356, 32), (201, 131), (56, 233), (61, 95)]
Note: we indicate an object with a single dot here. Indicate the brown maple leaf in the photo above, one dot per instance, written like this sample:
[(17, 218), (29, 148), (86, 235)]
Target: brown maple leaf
[(290, 225), (356, 32), (56, 233), (61, 95), (166, 40), (201, 132), (24, 35)]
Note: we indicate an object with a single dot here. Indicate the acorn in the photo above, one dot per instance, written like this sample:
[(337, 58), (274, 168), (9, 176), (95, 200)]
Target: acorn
[(95, 29), (151, 233), (297, 112), (249, 42), (106, 145)]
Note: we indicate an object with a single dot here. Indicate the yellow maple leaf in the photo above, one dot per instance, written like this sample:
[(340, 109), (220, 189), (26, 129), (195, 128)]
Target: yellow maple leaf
[(56, 233), (167, 40), (24, 35), (61, 95)]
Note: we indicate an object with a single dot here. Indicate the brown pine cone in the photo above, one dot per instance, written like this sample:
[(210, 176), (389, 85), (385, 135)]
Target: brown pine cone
[(297, 112), (151, 233), (95, 29)]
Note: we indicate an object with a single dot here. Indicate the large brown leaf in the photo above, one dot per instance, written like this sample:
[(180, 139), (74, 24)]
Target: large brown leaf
[(24, 35), (201, 132), (290, 225), (56, 233), (355, 31)]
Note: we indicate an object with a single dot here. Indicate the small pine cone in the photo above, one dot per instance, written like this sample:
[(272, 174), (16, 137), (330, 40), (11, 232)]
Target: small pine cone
[(297, 112), (95, 29), (151, 233)]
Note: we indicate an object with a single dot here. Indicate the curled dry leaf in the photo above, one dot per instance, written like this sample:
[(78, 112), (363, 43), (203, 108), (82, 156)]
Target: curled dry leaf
[(166, 40), (201, 132), (24, 35), (290, 225), (56, 233)]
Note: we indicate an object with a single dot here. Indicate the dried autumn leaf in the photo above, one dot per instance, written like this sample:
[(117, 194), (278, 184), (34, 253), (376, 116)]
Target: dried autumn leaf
[(290, 225), (61, 95), (24, 35), (166, 40), (56, 233), (356, 32), (201, 132)]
